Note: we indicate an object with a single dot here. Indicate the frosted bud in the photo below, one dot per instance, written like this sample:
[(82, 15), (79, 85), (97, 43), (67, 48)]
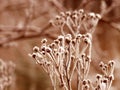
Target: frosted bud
[(60, 38), (81, 11), (36, 49), (98, 16), (44, 40), (91, 15)]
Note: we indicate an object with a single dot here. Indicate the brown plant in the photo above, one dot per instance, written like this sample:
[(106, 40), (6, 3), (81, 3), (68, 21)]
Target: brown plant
[(71, 53)]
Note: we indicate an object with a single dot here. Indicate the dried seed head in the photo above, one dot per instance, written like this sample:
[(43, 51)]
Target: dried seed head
[(81, 11), (86, 87), (36, 49), (111, 63), (98, 76), (75, 12), (34, 55), (56, 41), (101, 64), (87, 40), (89, 82), (57, 53), (53, 45), (83, 17), (74, 16), (91, 15), (83, 55), (68, 13), (44, 40), (55, 50), (105, 80), (72, 57), (60, 38), (40, 63), (66, 52), (57, 17), (43, 53), (88, 35), (98, 87), (105, 66), (78, 36), (48, 63), (84, 82), (104, 69), (61, 85), (50, 46), (88, 59), (51, 22), (111, 77), (73, 41), (62, 14), (98, 16), (43, 48), (48, 50), (67, 40), (69, 36)]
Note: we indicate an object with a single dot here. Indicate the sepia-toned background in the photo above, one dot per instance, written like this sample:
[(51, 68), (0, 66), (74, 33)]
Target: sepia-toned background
[(23, 23)]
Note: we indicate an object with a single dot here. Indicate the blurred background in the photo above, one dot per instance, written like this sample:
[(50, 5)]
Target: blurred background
[(23, 23)]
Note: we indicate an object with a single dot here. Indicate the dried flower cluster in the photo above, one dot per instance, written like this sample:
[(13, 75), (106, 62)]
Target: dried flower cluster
[(70, 54), (7, 77), (76, 20)]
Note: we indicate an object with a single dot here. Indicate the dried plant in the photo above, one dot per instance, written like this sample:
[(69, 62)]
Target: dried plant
[(7, 77), (70, 54)]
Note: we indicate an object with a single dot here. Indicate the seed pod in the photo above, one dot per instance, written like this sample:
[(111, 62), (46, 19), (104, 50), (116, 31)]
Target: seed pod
[(57, 17), (84, 82), (43, 48), (98, 16), (62, 14), (60, 38), (68, 13), (111, 77), (98, 76), (91, 15), (44, 40), (56, 41), (34, 55), (101, 64), (105, 81), (81, 11), (86, 87), (86, 40), (36, 49), (43, 53), (67, 40), (87, 58), (111, 63), (48, 50)]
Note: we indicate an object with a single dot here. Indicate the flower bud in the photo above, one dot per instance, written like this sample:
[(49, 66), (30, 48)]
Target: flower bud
[(36, 49)]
